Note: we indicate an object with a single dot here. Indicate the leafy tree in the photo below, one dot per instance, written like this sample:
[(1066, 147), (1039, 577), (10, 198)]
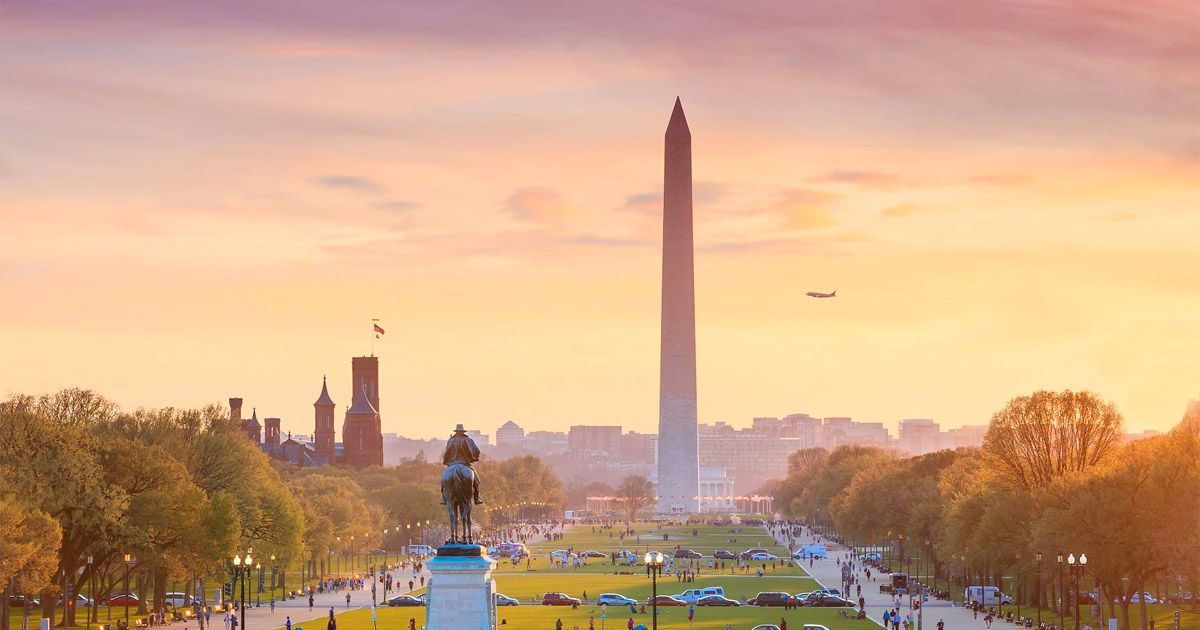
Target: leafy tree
[(637, 493), (1040, 437)]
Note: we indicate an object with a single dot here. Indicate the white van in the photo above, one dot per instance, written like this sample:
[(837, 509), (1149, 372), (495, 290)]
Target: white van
[(986, 595), (693, 595), (421, 550)]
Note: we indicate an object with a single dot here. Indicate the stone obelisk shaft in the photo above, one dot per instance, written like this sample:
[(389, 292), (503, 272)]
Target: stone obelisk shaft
[(678, 448)]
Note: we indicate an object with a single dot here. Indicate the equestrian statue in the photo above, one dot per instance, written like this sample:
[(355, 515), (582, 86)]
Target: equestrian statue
[(460, 484)]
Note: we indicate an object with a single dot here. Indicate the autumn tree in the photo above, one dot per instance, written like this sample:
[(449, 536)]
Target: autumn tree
[(1038, 438), (637, 493)]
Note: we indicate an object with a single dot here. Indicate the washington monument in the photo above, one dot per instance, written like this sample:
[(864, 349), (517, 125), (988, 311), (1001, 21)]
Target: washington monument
[(678, 449)]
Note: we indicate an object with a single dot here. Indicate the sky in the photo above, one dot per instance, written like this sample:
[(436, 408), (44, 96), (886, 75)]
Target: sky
[(201, 200)]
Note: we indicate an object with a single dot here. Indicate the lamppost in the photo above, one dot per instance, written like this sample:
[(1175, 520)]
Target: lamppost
[(383, 545), (241, 567), (92, 592), (274, 571), (1017, 584), (1037, 599), (935, 568), (125, 595), (964, 584), (258, 567), (654, 564), (1062, 598), (339, 555), (1076, 573)]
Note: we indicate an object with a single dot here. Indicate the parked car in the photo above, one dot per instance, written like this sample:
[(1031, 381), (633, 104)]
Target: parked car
[(717, 600), (693, 595), (18, 601), (562, 555), (615, 599), (666, 600), (763, 556), (745, 555), (177, 599), (592, 553), (1182, 597), (769, 598), (1136, 598), (559, 599), (121, 599), (687, 553), (824, 600), (827, 591), (765, 626), (405, 600), (722, 554), (80, 601), (505, 600)]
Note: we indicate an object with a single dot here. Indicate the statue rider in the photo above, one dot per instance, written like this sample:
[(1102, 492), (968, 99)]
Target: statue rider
[(461, 449)]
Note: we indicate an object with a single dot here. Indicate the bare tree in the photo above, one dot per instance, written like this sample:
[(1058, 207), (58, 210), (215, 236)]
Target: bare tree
[(1038, 438), (637, 492)]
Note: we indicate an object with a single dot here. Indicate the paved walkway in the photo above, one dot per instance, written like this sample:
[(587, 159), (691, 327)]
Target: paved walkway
[(829, 574), (262, 618)]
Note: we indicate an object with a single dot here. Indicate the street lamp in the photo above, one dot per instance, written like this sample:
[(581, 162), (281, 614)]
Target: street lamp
[(964, 584), (242, 567), (1017, 584), (1062, 599), (274, 570), (125, 595), (91, 591), (654, 564), (258, 567), (1037, 599), (1076, 573), (339, 556)]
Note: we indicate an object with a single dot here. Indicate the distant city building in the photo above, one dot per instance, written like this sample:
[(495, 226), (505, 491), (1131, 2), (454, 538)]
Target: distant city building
[(594, 439), (919, 436), (510, 434)]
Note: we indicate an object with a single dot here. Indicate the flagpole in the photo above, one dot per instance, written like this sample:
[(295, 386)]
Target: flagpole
[(373, 335)]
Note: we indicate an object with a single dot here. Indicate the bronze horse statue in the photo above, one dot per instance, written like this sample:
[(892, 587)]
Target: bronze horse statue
[(458, 483)]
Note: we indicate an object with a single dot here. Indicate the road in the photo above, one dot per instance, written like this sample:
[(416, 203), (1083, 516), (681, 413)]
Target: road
[(829, 574)]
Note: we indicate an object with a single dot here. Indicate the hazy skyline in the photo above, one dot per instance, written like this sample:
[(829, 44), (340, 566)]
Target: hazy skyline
[(205, 200)]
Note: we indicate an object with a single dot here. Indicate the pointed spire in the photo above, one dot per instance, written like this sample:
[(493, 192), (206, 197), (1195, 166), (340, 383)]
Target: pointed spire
[(678, 120), (362, 403), (324, 398), (253, 422)]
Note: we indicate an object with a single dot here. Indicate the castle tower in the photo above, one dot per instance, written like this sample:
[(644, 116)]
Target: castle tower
[(252, 428), (362, 442), (678, 444), (271, 432), (365, 372), (235, 411), (323, 434)]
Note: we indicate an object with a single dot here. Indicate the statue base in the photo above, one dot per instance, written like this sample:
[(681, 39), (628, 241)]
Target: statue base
[(461, 593)]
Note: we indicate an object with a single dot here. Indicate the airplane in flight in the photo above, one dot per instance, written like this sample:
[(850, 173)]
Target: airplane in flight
[(818, 294)]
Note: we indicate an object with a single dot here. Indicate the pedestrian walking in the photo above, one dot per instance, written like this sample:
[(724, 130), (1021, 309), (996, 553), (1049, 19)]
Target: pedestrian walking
[(558, 624), (288, 624), (941, 625), (310, 600), (347, 600), (691, 616)]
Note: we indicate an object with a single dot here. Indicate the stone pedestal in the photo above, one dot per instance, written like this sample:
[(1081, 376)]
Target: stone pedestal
[(461, 593)]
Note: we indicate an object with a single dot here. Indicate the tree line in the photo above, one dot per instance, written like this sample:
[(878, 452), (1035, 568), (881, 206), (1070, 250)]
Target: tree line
[(1052, 478), (180, 491)]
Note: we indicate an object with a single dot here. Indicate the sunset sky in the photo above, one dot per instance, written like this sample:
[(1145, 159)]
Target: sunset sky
[(210, 199)]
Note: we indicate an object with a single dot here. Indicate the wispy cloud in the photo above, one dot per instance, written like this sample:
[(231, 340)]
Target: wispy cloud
[(537, 205), (998, 180), (395, 206), (900, 211), (351, 182), (802, 209), (592, 239), (866, 179), (638, 200)]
